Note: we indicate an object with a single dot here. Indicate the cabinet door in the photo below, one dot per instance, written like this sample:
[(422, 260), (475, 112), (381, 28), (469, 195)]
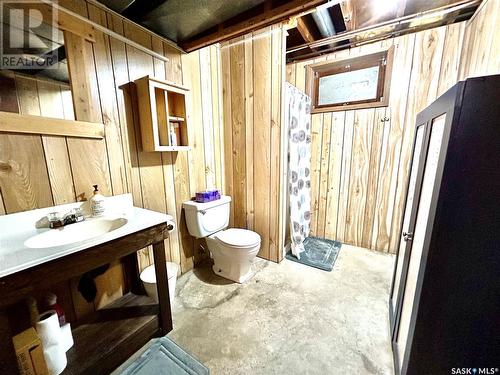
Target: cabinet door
[(404, 246), (410, 297)]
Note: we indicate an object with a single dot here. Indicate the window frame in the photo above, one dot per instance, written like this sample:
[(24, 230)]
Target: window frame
[(383, 59)]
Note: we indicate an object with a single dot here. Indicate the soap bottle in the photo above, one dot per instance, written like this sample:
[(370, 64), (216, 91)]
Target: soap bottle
[(97, 203)]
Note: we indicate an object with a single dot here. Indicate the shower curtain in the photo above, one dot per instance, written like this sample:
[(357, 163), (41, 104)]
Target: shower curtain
[(298, 120)]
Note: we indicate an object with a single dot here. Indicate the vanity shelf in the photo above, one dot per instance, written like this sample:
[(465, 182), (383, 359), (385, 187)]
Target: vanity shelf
[(128, 322), (163, 115), (112, 334)]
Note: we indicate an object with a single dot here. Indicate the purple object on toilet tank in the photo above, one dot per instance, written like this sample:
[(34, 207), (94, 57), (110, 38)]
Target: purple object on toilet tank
[(207, 196)]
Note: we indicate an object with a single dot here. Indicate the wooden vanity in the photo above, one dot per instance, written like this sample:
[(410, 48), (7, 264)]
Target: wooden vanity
[(113, 333)]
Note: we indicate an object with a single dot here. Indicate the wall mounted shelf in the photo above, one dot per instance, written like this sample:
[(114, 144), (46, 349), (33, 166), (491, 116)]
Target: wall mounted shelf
[(163, 114)]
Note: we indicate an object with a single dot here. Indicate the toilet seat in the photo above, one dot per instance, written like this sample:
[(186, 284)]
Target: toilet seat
[(238, 238)]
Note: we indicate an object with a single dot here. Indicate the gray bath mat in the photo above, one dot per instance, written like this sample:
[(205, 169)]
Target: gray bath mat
[(319, 253), (162, 356)]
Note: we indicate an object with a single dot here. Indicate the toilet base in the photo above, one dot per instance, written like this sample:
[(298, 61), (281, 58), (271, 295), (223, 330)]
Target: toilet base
[(232, 263), (229, 276)]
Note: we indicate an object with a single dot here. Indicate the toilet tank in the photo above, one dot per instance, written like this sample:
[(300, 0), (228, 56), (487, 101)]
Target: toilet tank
[(203, 219)]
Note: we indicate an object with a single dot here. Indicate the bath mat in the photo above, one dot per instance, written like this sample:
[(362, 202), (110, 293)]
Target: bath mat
[(162, 356), (319, 253)]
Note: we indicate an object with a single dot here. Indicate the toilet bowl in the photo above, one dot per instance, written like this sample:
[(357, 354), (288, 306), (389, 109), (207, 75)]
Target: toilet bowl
[(232, 250)]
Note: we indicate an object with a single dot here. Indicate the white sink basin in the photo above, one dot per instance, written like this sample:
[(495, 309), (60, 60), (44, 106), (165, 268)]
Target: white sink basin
[(74, 233)]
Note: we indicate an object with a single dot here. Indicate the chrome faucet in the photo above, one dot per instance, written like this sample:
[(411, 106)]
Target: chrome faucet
[(58, 221)]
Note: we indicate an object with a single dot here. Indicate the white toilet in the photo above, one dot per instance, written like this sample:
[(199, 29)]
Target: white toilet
[(233, 250)]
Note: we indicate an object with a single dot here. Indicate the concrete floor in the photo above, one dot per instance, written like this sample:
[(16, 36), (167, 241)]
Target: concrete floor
[(289, 318)]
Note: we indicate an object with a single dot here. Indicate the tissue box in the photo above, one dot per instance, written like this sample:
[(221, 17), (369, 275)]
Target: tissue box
[(207, 196), (29, 353)]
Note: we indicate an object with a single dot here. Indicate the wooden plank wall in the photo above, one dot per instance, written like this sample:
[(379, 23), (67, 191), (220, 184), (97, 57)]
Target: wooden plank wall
[(252, 76), (360, 170), (360, 174), (39, 171), (481, 47)]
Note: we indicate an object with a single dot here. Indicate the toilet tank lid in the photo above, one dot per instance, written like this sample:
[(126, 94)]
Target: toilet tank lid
[(195, 206)]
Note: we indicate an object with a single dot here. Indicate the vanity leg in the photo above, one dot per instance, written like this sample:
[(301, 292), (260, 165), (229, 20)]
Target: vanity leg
[(8, 358), (162, 287), (131, 274)]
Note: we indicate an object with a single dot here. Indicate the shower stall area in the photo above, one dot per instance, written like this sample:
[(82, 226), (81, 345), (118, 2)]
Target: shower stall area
[(303, 248), (360, 139)]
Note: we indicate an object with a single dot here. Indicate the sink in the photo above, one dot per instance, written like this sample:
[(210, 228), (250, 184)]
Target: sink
[(74, 233)]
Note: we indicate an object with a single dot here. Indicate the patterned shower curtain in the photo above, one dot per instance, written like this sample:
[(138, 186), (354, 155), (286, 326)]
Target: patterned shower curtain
[(298, 120)]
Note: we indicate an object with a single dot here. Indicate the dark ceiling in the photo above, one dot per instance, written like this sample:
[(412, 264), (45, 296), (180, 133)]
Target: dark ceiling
[(192, 23), (180, 20), (193, 17)]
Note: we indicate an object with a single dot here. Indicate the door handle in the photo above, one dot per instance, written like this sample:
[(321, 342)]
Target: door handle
[(407, 236)]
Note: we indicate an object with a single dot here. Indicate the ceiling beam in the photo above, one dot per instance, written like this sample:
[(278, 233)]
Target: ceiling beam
[(269, 15), (304, 31), (400, 8), (400, 26), (347, 8)]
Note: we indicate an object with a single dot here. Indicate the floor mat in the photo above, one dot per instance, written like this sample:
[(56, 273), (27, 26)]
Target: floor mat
[(162, 356), (319, 253)]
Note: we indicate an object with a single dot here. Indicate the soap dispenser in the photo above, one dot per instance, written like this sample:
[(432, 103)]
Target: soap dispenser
[(97, 204)]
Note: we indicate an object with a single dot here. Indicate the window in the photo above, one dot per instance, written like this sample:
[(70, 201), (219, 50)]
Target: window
[(362, 82)]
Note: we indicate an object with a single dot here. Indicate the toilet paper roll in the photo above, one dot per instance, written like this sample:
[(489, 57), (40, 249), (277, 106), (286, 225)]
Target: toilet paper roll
[(55, 357), (48, 329), (66, 337)]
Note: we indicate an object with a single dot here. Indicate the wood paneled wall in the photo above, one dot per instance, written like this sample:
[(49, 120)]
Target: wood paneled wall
[(481, 47), (360, 160), (252, 77), (39, 171), (359, 172), (361, 169)]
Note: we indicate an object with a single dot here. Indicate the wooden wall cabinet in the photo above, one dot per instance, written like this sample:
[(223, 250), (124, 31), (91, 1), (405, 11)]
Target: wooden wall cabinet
[(444, 306), (163, 111)]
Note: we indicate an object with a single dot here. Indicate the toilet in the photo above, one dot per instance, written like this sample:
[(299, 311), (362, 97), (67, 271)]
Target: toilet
[(233, 250)]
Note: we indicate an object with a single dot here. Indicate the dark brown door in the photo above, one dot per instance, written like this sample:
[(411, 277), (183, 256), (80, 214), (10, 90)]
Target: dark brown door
[(406, 230), (414, 234)]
